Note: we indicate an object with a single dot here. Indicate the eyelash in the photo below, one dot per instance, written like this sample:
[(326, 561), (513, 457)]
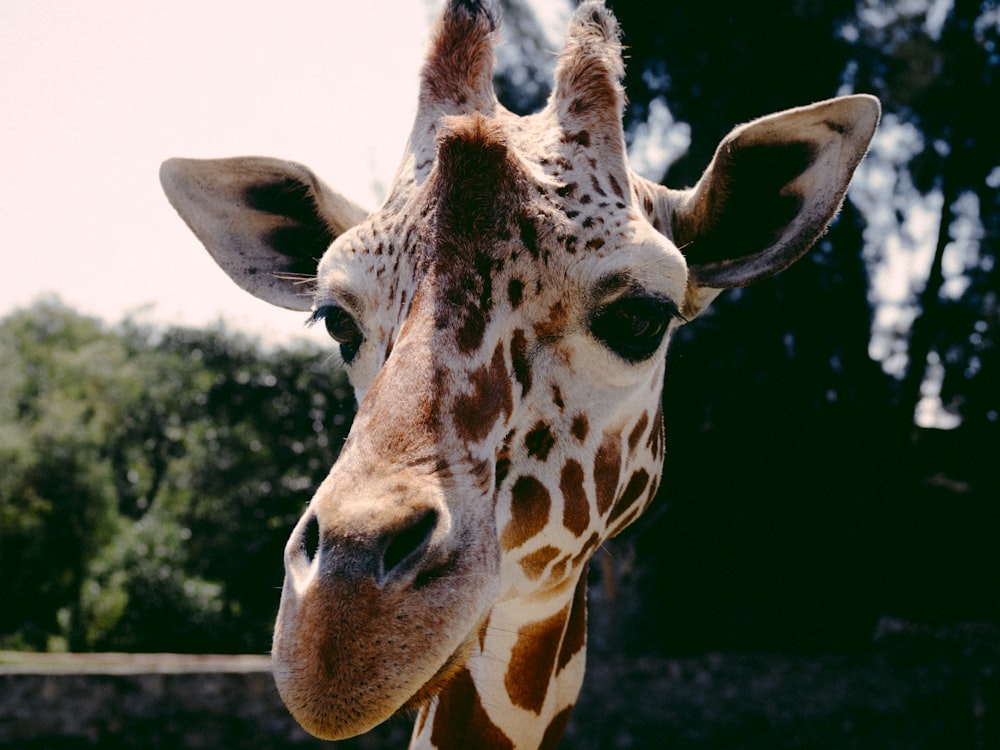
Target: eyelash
[(342, 328)]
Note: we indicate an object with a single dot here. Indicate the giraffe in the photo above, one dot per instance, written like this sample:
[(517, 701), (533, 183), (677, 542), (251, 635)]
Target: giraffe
[(503, 319)]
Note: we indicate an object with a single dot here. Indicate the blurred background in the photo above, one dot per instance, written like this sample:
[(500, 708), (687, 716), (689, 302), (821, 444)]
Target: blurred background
[(833, 435)]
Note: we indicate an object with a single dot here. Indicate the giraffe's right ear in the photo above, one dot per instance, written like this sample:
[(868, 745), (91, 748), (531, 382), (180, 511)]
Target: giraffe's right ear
[(266, 222), (769, 193)]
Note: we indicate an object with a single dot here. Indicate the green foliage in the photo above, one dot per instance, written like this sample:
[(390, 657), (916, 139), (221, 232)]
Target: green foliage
[(139, 596), (149, 479)]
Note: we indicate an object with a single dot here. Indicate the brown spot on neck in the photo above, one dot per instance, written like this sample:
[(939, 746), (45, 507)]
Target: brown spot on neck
[(532, 661), (556, 729), (593, 542), (530, 503), (635, 487), (534, 563), (576, 509), (461, 722), (575, 637), (655, 440), (636, 434), (607, 467)]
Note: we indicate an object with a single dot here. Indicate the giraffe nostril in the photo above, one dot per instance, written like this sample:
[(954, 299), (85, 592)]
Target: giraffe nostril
[(310, 538), (405, 544)]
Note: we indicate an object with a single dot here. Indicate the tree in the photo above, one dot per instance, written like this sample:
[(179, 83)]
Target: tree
[(152, 477), (56, 504), (936, 70)]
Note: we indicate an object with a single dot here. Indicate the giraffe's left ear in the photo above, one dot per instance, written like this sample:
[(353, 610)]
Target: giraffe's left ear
[(769, 193), (266, 222)]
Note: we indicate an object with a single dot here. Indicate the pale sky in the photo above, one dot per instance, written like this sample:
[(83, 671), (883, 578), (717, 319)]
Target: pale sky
[(94, 96)]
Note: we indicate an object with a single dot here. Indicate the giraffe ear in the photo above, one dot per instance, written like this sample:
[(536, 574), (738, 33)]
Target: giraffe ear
[(266, 222), (769, 193)]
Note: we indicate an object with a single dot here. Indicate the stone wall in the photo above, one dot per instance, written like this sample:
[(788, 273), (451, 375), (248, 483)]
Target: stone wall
[(916, 689)]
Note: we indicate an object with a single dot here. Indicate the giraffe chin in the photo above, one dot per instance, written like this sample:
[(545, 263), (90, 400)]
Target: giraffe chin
[(335, 714)]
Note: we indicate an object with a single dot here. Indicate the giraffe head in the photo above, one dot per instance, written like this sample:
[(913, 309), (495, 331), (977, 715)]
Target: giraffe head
[(503, 319)]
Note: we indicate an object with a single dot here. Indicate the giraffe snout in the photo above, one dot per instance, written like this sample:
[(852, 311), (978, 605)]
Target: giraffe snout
[(371, 613)]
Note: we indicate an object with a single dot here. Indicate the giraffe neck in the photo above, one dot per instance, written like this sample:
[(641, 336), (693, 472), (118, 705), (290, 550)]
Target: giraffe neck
[(518, 688)]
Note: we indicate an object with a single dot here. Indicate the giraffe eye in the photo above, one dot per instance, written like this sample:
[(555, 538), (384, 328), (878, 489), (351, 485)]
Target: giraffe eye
[(342, 329), (633, 327)]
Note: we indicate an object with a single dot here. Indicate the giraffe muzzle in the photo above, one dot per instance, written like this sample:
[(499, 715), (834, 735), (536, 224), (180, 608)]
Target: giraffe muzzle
[(369, 605)]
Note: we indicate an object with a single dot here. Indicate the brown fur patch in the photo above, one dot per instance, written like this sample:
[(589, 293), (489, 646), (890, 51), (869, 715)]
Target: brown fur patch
[(519, 360), (461, 722), (588, 549), (460, 63), (515, 292), (483, 474), (484, 629), (532, 661), (528, 232), (607, 467), (567, 190), (633, 490), (575, 637), (651, 495), (534, 564), (557, 397), (491, 398), (635, 487), (625, 522), (476, 182), (581, 138), (530, 503), (555, 730), (558, 571), (655, 440), (539, 441), (636, 434), (469, 335), (503, 460), (580, 427), (576, 509), (616, 187), (550, 329)]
